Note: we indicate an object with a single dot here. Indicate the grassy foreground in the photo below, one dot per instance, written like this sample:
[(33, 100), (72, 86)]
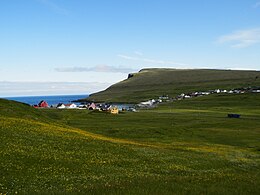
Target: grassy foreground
[(183, 147)]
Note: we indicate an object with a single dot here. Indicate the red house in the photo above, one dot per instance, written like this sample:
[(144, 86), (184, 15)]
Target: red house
[(43, 104)]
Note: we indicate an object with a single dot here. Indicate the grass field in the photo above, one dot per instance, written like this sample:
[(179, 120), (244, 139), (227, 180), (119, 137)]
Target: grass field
[(182, 147), (152, 83)]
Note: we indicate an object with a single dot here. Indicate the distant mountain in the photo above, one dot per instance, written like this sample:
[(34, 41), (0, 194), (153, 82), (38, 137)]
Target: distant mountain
[(151, 83)]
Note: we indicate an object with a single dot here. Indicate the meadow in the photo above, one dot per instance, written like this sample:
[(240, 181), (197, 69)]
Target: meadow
[(181, 147)]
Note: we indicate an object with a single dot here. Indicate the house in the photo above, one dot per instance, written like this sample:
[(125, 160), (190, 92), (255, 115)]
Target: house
[(103, 107), (147, 103), (61, 106), (82, 106), (217, 91), (114, 110), (43, 104), (187, 96), (164, 97), (92, 106), (236, 91), (70, 106)]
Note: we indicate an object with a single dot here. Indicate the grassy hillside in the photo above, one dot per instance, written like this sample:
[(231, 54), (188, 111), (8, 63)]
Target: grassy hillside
[(201, 119), (183, 147), (15, 109), (152, 83)]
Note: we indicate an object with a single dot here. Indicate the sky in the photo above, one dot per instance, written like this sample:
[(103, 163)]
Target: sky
[(51, 47)]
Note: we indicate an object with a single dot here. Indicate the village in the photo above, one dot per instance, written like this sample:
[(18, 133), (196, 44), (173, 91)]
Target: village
[(90, 106), (165, 98), (115, 109)]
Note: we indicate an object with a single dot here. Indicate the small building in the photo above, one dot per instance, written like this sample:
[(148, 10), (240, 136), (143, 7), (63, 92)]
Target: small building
[(164, 97), (82, 106), (114, 110), (70, 106), (43, 104), (61, 106), (103, 107), (147, 103), (92, 106), (217, 91)]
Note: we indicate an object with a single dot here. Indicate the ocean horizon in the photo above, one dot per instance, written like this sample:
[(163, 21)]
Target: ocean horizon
[(50, 99)]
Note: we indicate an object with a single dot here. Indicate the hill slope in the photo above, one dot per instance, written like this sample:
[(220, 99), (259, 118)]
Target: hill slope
[(151, 83), (9, 108)]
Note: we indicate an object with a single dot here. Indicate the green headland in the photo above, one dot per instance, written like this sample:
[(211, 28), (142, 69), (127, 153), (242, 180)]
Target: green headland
[(152, 83)]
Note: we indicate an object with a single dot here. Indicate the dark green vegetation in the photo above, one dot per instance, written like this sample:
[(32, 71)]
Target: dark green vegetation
[(184, 147), (152, 83)]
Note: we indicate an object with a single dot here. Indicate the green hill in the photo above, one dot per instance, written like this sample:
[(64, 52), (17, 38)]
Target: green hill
[(152, 83), (15, 109)]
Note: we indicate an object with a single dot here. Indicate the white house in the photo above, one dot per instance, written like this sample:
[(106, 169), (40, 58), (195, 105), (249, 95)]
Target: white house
[(217, 91), (147, 103), (61, 106), (70, 106)]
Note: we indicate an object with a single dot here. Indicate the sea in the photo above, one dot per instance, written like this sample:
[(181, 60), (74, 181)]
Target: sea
[(51, 100), (56, 99)]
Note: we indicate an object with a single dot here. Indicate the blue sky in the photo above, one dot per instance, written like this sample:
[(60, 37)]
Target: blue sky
[(48, 46)]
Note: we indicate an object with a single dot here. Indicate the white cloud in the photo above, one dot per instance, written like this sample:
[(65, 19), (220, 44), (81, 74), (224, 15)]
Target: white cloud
[(54, 7), (138, 53), (127, 57), (242, 38), (152, 61), (98, 68), (49, 88), (257, 4)]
